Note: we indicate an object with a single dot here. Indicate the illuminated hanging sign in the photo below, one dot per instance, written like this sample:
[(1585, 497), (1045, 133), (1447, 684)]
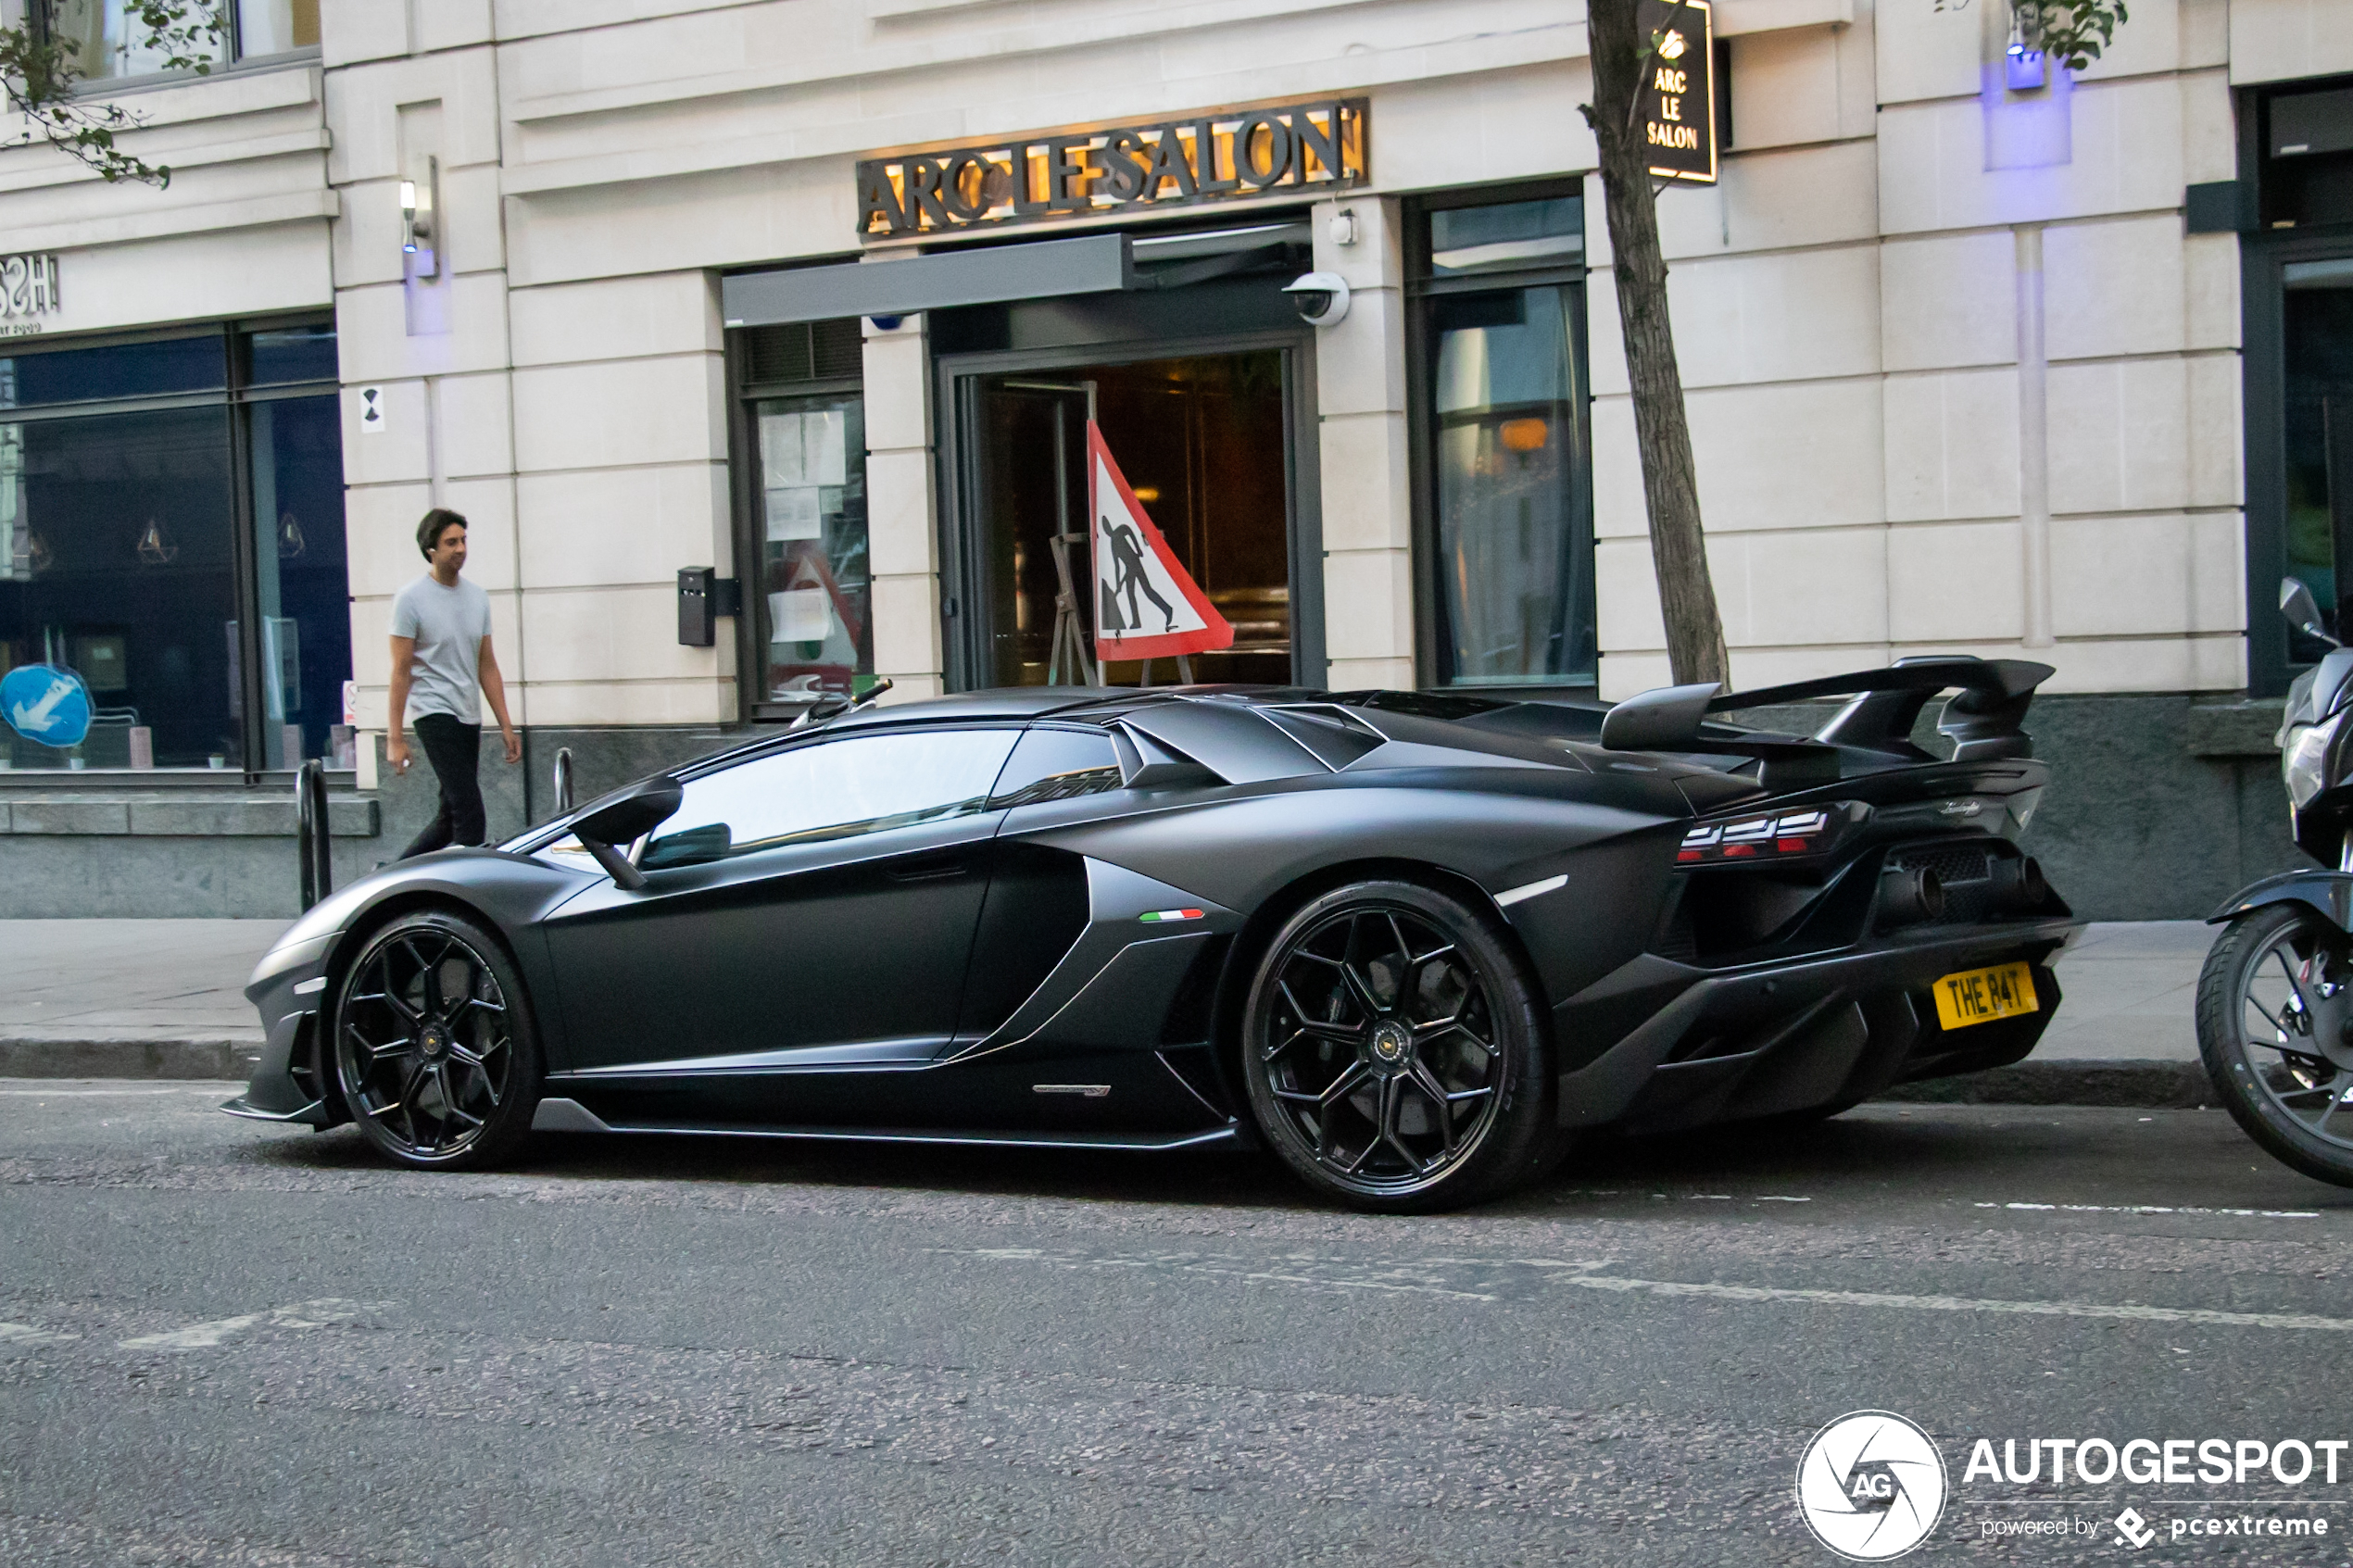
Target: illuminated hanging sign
[(27, 288), (1677, 105), (1225, 155)]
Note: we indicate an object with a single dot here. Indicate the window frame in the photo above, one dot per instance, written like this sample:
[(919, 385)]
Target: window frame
[(37, 22), (237, 397), (2264, 256), (690, 776), (1422, 426)]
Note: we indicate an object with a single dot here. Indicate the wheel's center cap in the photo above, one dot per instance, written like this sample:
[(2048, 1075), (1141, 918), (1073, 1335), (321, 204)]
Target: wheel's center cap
[(1390, 1044), (432, 1041)]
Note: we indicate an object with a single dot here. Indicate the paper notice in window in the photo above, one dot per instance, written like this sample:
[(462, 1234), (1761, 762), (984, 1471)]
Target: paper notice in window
[(794, 513), (799, 614), (783, 459), (829, 459)]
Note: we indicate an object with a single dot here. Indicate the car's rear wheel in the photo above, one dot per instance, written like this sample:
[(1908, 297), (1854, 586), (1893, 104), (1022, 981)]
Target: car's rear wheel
[(433, 1045), (1395, 1052)]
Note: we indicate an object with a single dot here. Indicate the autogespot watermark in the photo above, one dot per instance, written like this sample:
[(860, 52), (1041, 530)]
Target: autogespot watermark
[(1872, 1485)]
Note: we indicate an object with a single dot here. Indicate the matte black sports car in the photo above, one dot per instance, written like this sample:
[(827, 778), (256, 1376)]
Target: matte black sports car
[(1415, 944)]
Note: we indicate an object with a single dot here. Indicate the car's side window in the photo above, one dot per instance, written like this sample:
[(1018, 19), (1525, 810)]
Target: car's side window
[(830, 789), (1052, 764)]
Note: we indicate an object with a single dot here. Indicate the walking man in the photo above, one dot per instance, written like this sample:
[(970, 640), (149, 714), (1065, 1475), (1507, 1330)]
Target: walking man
[(440, 653)]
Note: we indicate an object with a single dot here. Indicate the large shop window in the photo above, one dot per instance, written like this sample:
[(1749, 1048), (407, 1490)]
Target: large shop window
[(172, 531), (2296, 274), (1504, 487), (110, 40), (802, 451)]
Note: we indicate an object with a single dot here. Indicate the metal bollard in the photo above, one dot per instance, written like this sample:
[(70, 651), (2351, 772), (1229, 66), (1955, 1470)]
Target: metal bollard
[(312, 839), (563, 780)]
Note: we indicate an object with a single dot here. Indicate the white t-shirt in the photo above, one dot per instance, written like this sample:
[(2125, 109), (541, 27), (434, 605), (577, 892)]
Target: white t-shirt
[(448, 624)]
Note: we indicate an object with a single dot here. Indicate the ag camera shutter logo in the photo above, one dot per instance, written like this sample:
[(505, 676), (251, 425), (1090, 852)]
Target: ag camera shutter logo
[(1872, 1486)]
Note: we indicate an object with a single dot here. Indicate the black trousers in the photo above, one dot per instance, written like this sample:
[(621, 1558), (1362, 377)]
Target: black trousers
[(454, 748)]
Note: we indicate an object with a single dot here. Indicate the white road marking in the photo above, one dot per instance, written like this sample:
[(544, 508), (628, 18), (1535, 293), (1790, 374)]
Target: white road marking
[(2156, 1208), (26, 1333), (1584, 1275), (113, 1094), (2129, 1311), (1530, 889), (1687, 1197), (1194, 1265), (302, 1315)]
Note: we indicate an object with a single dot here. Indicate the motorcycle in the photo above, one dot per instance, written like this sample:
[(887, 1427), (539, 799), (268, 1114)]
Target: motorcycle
[(2275, 996)]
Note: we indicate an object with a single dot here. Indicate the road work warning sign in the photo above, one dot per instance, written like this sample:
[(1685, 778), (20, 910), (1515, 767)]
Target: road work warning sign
[(1147, 605)]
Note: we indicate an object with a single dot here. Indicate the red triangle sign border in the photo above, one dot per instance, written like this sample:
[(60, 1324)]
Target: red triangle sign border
[(1216, 633)]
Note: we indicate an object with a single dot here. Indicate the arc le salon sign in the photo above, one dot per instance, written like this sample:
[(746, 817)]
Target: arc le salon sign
[(1222, 155)]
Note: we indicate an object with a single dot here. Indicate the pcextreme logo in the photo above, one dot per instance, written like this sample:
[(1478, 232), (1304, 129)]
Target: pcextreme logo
[(1872, 1486)]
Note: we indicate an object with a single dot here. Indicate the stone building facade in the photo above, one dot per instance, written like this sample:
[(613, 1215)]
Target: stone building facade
[(1981, 357)]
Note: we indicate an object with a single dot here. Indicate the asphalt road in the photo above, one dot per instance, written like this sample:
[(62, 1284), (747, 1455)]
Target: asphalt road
[(229, 1344)]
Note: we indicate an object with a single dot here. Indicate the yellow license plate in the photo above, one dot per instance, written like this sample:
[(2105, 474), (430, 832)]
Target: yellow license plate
[(1981, 996)]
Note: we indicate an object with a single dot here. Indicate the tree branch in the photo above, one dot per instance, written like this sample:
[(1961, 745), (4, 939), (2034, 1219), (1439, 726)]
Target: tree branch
[(41, 77)]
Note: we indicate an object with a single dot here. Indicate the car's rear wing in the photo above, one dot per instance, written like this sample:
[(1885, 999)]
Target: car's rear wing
[(1983, 720)]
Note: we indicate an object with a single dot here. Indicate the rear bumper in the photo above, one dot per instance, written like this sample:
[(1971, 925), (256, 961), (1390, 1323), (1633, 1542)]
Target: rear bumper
[(1689, 1045)]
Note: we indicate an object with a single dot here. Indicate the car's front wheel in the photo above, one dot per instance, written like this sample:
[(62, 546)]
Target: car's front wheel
[(1395, 1052), (433, 1045)]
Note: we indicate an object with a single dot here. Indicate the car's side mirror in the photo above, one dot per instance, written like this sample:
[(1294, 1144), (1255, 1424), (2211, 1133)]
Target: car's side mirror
[(2297, 605), (624, 817)]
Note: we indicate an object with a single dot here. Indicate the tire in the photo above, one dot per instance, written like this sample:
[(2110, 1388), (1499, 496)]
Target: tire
[(2275, 1002), (434, 1046), (1395, 1053)]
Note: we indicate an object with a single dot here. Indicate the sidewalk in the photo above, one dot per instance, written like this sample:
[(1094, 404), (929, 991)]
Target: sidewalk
[(130, 999), (162, 999)]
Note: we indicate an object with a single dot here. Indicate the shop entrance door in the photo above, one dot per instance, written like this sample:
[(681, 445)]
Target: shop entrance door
[(1207, 443)]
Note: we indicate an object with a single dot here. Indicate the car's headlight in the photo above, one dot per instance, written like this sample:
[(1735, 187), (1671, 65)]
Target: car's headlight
[(2304, 762)]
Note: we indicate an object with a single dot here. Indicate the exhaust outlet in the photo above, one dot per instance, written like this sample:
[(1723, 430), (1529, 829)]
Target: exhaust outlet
[(1909, 895), (2018, 885)]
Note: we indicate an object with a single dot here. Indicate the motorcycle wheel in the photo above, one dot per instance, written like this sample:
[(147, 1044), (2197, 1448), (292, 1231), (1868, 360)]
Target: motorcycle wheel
[(2275, 1003)]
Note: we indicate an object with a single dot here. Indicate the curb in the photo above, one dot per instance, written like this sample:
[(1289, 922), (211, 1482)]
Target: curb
[(216, 1058), (2139, 1085)]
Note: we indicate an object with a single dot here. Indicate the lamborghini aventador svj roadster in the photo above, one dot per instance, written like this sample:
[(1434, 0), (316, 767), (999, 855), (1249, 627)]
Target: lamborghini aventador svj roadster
[(1413, 944)]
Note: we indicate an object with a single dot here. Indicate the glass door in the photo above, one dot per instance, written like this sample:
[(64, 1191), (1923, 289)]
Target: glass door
[(1204, 443)]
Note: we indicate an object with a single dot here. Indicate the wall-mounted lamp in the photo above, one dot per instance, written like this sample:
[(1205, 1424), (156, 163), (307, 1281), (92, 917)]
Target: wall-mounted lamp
[(419, 203)]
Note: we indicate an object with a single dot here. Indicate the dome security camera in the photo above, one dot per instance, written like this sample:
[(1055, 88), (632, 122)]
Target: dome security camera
[(1321, 299)]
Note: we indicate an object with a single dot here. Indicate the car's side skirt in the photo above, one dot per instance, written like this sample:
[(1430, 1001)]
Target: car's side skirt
[(571, 1116)]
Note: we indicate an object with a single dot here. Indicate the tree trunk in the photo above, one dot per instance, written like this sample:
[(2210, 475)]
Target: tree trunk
[(1686, 594)]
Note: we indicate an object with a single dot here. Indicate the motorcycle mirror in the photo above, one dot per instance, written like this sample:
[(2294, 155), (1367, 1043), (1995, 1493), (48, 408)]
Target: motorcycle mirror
[(2297, 605)]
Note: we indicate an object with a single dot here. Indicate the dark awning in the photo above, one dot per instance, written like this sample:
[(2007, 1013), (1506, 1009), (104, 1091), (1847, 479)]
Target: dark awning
[(1091, 264)]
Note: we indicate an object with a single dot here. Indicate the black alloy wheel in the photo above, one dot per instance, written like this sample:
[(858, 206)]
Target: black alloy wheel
[(2275, 1027), (434, 1046), (1395, 1052)]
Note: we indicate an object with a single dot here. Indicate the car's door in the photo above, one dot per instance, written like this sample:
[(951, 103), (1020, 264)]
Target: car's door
[(818, 898)]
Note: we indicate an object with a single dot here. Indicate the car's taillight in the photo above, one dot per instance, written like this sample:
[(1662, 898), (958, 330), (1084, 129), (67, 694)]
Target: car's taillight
[(1752, 838)]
